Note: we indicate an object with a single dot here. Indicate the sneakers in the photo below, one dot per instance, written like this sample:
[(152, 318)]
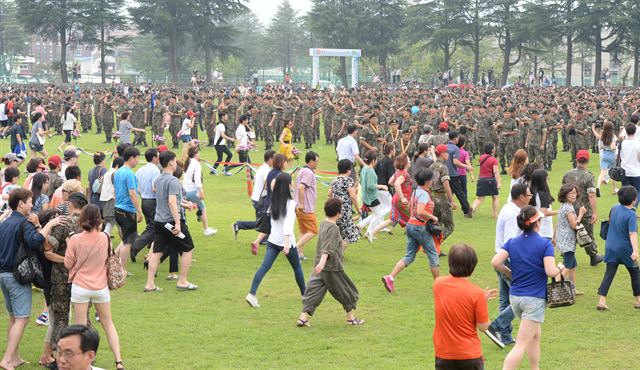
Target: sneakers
[(595, 260), (226, 173), (199, 215), (252, 300), (209, 231), (387, 281), (494, 336), (43, 319), (369, 236), (303, 258), (254, 248), (234, 226)]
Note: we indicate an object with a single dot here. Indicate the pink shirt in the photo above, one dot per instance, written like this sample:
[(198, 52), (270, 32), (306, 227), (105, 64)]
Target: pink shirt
[(464, 156), (86, 259), (307, 178)]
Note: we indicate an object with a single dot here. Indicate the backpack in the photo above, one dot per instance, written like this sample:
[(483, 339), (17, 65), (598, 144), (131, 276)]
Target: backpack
[(27, 268)]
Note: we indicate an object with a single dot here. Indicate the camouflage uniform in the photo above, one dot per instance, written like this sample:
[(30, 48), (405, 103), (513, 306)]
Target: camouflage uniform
[(409, 148), (232, 122), (585, 182), (328, 115), (485, 134), (536, 133), (508, 142), (157, 118), (137, 120), (98, 113), (176, 110), (210, 120), (439, 138), (107, 120), (60, 286), (442, 205), (308, 126), (373, 137), (580, 139), (85, 113), (269, 112)]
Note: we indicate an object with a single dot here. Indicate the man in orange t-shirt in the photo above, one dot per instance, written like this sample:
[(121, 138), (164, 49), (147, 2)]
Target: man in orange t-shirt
[(460, 310)]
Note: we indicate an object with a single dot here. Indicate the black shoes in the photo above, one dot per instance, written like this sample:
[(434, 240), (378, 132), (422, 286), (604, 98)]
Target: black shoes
[(595, 260)]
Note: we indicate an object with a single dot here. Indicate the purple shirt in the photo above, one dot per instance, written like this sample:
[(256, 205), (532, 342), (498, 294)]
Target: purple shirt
[(307, 178), (464, 156)]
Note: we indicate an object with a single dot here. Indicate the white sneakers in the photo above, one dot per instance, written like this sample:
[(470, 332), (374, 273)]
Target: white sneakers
[(210, 231), (252, 300)]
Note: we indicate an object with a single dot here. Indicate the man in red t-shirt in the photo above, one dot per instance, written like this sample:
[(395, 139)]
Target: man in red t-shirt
[(460, 310)]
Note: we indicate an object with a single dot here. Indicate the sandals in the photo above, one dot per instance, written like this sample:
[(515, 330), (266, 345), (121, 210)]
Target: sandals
[(601, 307), (303, 323), (355, 321), (190, 286), (119, 365), (154, 289)]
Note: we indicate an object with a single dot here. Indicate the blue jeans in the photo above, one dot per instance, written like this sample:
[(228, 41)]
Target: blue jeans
[(418, 236), (17, 297), (502, 323), (270, 255), (249, 225)]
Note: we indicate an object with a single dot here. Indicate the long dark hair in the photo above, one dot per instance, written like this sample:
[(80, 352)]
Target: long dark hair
[(607, 134), (539, 186), (280, 196), (38, 181)]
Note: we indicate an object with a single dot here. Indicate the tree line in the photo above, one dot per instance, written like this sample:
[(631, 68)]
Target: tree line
[(185, 33)]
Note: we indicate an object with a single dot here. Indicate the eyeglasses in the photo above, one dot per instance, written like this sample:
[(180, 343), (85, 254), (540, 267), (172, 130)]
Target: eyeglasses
[(66, 354), (528, 195)]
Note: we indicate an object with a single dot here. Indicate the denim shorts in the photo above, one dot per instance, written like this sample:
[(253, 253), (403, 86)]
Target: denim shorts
[(607, 159), (418, 236), (528, 308), (192, 196), (569, 260), (185, 138), (17, 297)]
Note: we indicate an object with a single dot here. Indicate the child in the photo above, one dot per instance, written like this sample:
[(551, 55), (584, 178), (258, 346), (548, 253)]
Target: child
[(329, 273)]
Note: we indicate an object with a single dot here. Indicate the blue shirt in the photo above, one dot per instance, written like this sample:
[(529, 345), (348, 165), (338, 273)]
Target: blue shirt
[(622, 221), (526, 254), (454, 153), (9, 230), (123, 181), (146, 176)]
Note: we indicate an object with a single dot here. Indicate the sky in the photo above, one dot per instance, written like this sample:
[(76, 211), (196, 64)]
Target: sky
[(265, 9)]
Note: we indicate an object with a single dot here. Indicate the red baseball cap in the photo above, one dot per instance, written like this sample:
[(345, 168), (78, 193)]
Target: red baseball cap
[(443, 126), (441, 149), (162, 148), (190, 114), (582, 155), (55, 160)]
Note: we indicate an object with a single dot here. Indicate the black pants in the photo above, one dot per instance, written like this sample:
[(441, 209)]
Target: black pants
[(457, 188), (244, 156), (473, 364), (146, 238), (220, 150), (610, 273)]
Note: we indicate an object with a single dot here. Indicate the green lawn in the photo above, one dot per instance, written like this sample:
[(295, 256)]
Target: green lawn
[(213, 327)]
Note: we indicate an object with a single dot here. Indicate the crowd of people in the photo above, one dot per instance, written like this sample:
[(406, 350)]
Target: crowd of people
[(404, 157)]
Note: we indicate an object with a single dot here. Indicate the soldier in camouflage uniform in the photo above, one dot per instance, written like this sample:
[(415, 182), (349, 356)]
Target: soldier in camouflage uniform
[(394, 134), (507, 131), (138, 118), (210, 119), (580, 130), (106, 113), (339, 125), (406, 144), (308, 122), (442, 137), (328, 115), (268, 120), (585, 182), (444, 204), (372, 137), (86, 111), (53, 117), (536, 139), (176, 111), (60, 286), (99, 102)]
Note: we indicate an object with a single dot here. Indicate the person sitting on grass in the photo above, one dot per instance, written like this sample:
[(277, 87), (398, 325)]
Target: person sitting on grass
[(460, 310), (328, 274)]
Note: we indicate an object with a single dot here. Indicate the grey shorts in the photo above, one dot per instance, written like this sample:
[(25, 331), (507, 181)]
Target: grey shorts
[(17, 297), (528, 308)]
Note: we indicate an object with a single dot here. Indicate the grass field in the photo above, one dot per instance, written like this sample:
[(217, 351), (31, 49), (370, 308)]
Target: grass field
[(213, 327)]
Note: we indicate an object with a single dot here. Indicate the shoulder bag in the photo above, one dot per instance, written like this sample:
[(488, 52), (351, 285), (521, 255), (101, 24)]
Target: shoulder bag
[(616, 172), (116, 277), (604, 227), (27, 268)]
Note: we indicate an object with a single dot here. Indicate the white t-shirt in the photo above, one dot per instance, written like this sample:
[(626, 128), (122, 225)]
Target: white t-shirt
[(192, 176), (546, 225), (630, 157), (185, 130), (3, 116), (259, 185), (108, 191), (284, 226), (220, 128), (68, 123), (347, 148), (242, 139), (507, 225)]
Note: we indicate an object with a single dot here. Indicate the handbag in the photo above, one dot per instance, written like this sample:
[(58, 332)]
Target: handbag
[(604, 227), (28, 268), (616, 172), (115, 273), (561, 293), (263, 223), (434, 229)]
